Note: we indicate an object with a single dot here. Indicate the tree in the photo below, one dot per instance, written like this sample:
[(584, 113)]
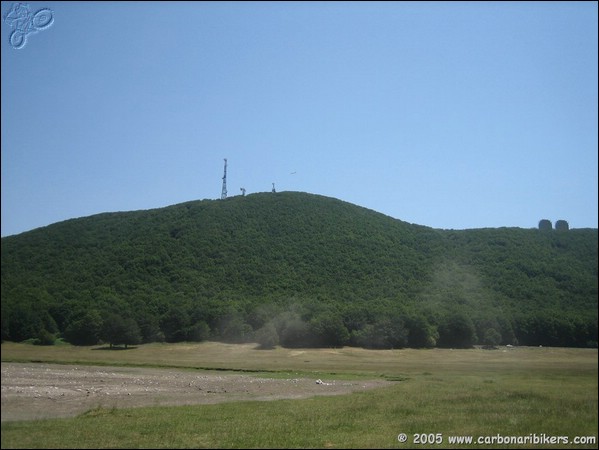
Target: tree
[(84, 330), (149, 328), (421, 334), (492, 337), (384, 333), (5, 325), (200, 331), (24, 322), (45, 338), (173, 325), (562, 225), (368, 337), (456, 331), (117, 330), (328, 330), (234, 329), (395, 331), (545, 225)]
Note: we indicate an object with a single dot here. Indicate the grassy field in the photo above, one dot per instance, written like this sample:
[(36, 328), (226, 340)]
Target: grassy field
[(522, 392)]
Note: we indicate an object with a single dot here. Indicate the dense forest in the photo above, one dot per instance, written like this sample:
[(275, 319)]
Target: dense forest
[(297, 270)]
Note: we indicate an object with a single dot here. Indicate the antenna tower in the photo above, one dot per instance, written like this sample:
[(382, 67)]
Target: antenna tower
[(223, 195)]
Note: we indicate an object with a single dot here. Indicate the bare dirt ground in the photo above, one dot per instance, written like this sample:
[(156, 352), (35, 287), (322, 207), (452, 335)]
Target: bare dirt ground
[(40, 391)]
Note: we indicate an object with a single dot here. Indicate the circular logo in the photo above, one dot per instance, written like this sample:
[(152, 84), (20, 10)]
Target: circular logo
[(402, 437)]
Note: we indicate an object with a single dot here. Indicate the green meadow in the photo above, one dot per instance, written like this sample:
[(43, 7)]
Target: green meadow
[(437, 394)]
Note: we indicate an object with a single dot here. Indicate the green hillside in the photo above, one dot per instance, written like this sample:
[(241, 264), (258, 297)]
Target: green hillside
[(299, 270)]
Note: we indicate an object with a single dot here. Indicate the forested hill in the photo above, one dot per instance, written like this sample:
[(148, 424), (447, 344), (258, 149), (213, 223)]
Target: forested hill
[(297, 269)]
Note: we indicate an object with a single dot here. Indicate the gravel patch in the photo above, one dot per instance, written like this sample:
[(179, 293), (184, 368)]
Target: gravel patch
[(33, 391)]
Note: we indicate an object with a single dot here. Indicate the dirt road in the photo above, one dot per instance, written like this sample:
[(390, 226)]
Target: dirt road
[(39, 391)]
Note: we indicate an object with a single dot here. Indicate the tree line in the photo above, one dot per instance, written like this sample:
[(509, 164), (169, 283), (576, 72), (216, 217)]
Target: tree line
[(295, 269)]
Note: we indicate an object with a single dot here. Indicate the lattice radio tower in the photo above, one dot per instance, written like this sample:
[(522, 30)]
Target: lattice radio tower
[(223, 195)]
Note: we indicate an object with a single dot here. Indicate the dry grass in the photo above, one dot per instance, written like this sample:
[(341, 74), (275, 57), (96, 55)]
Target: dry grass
[(350, 360)]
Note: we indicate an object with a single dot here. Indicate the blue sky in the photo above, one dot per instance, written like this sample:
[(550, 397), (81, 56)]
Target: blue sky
[(450, 115)]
